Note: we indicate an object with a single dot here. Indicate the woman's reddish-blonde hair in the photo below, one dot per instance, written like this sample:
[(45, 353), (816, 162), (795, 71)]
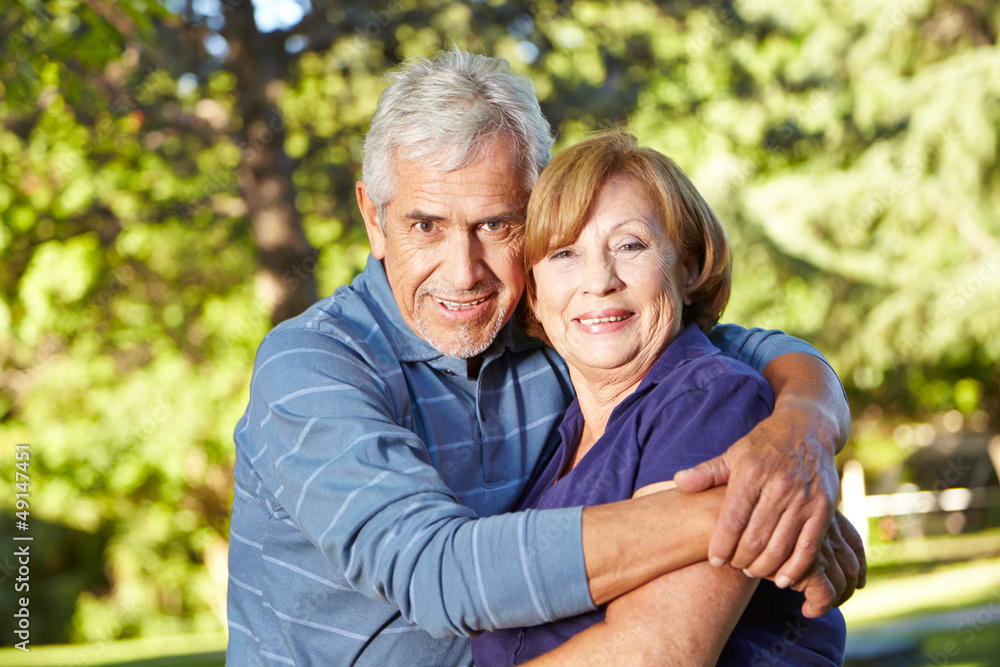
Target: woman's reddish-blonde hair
[(561, 201)]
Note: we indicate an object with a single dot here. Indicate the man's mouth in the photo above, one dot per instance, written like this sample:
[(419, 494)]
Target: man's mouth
[(459, 305)]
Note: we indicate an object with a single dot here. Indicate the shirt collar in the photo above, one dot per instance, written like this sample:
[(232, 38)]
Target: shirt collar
[(690, 344), (374, 287)]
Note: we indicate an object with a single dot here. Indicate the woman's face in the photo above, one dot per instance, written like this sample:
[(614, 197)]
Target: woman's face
[(612, 300)]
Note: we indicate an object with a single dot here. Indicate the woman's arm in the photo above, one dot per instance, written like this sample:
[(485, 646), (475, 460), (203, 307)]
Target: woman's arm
[(681, 618)]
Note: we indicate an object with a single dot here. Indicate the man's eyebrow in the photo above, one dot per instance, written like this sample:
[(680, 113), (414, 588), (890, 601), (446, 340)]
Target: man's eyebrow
[(416, 215), (511, 218), (421, 216)]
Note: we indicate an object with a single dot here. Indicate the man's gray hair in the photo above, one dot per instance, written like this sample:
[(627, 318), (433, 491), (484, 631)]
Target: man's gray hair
[(442, 112)]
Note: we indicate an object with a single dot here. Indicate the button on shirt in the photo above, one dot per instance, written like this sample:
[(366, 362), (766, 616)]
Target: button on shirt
[(370, 472)]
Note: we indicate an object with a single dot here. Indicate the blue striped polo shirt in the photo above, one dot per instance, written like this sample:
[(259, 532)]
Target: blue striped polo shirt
[(372, 478)]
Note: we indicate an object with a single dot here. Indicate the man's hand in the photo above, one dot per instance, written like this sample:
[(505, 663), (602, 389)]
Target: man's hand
[(840, 569), (782, 480)]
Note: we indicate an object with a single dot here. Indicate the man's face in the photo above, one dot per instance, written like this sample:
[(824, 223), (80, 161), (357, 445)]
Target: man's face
[(452, 248)]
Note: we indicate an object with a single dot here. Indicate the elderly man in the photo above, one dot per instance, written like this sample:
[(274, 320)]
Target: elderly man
[(391, 425)]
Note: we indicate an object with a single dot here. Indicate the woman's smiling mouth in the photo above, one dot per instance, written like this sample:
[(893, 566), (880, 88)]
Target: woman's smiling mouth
[(603, 320)]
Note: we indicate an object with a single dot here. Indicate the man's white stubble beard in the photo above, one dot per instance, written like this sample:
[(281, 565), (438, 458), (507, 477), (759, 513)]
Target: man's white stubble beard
[(467, 344)]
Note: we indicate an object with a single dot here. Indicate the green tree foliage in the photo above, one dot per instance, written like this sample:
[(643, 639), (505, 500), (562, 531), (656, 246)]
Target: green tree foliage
[(176, 176)]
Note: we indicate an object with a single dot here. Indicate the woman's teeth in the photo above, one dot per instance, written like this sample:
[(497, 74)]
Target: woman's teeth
[(603, 320)]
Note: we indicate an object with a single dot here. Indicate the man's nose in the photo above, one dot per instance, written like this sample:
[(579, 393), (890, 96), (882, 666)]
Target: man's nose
[(600, 276), (465, 261)]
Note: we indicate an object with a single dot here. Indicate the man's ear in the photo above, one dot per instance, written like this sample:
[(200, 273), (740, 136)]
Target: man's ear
[(376, 239), (691, 281)]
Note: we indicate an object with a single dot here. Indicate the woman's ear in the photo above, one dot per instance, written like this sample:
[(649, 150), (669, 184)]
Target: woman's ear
[(692, 278)]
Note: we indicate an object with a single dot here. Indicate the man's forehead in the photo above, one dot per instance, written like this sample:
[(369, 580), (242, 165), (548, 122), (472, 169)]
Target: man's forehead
[(490, 182), (445, 156)]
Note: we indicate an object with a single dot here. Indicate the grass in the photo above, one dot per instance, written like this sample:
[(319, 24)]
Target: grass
[(946, 616), (941, 590), (207, 650)]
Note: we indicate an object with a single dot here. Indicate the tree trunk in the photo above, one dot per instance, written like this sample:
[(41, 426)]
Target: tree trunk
[(286, 273)]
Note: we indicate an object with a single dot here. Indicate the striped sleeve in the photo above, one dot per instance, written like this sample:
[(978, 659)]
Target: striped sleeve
[(758, 347), (361, 487)]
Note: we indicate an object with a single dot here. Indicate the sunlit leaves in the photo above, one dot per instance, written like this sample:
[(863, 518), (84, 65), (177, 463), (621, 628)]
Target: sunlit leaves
[(849, 147)]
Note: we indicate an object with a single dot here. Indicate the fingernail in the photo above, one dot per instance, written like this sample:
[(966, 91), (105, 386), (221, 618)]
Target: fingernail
[(749, 574), (716, 561), (782, 581)]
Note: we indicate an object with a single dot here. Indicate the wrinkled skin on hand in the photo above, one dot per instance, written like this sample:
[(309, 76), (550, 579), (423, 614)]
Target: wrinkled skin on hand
[(776, 518), (838, 570)]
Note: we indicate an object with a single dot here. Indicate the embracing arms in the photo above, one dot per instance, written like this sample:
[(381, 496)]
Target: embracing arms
[(685, 617), (327, 453), (782, 479), (680, 618), (362, 489), (782, 486)]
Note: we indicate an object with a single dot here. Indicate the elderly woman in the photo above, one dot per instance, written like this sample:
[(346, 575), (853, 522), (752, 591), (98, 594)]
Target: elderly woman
[(628, 269)]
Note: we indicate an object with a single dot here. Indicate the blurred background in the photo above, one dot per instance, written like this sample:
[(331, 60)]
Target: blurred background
[(176, 177)]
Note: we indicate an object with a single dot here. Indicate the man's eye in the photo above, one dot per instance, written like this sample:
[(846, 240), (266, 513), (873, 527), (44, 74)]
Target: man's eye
[(495, 226), (425, 226)]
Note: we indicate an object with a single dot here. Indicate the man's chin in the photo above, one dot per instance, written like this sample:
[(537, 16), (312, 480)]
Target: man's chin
[(460, 348), (461, 342)]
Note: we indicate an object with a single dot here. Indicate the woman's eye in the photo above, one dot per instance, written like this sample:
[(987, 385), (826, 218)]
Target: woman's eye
[(632, 246), (561, 254)]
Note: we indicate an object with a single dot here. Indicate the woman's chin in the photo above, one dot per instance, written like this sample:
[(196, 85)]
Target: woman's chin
[(603, 363)]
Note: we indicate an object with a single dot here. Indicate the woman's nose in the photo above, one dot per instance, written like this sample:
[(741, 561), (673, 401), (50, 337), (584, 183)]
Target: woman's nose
[(601, 276)]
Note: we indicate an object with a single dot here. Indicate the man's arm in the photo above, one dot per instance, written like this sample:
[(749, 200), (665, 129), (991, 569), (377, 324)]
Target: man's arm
[(322, 436), (824, 586), (632, 542), (783, 483)]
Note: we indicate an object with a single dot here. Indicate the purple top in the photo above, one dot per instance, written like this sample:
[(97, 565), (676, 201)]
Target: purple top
[(691, 406)]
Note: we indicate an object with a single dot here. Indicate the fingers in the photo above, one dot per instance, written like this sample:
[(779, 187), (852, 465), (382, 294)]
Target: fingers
[(773, 529), (742, 496), (845, 557), (857, 547), (835, 575), (778, 549), (820, 592), (820, 595), (714, 472), (838, 569), (806, 550)]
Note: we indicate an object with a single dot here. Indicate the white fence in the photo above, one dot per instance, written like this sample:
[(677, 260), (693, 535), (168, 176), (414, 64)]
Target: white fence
[(858, 506)]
